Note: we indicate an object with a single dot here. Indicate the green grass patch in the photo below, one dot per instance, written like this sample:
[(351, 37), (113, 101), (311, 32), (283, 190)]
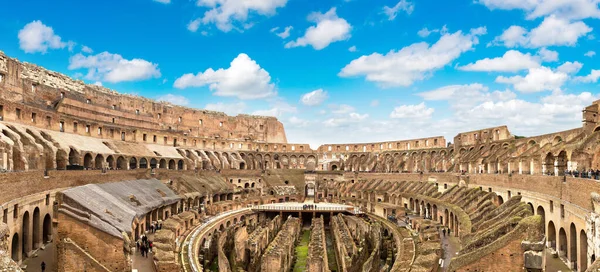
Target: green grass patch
[(302, 252)]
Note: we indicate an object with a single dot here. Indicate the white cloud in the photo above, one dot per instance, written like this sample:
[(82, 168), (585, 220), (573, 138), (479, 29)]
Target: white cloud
[(329, 28), (418, 111), (464, 97), (227, 15), (298, 122), (591, 78), (284, 34), (341, 109), (589, 54), (570, 67), (537, 80), (548, 55), (163, 1), (346, 120), (98, 83), (352, 48), (511, 61), (553, 31), (314, 98), (86, 49), (114, 68), (403, 5), (278, 109), (244, 79), (567, 9), (174, 99), (38, 37), (424, 32), (414, 62), (230, 109)]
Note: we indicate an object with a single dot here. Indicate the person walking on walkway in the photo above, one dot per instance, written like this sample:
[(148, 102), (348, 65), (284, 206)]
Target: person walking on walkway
[(43, 266)]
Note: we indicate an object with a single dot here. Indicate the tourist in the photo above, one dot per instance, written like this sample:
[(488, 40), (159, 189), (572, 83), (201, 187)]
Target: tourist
[(43, 266), (444, 232)]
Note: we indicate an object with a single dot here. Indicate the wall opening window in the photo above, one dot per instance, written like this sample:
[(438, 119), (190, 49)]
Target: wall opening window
[(88, 101), (144, 137), (1, 112), (114, 107), (220, 124), (61, 126), (158, 115), (200, 122), (123, 136), (18, 112), (137, 112), (165, 140), (34, 117), (48, 121), (179, 119), (88, 129), (154, 138), (74, 127), (99, 130)]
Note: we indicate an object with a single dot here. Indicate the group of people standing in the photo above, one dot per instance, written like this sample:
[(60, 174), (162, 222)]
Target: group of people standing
[(309, 207), (154, 226), (144, 245)]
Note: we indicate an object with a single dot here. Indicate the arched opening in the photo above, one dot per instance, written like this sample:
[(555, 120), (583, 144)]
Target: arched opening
[(562, 242), (73, 157), (242, 165), (500, 200), (110, 160), (121, 163), (549, 164), (132, 163), (334, 167), (88, 161), (583, 264), (162, 164), (99, 161), (446, 215), (47, 233), (561, 162), (247, 185), (36, 229), (172, 164), (15, 248), (61, 159), (153, 163), (542, 213), (180, 165), (551, 235), (143, 163), (572, 243), (531, 207), (25, 245)]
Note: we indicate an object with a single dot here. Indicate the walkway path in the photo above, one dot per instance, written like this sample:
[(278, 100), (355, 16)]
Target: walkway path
[(47, 255), (450, 245), (143, 264)]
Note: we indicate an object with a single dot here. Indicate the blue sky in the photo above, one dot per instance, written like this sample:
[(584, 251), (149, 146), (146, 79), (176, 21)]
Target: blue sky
[(333, 70)]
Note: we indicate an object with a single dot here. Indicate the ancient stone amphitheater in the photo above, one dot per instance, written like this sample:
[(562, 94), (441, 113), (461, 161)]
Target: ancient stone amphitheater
[(88, 174)]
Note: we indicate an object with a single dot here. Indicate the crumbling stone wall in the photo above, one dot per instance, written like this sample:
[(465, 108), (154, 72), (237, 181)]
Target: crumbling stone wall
[(317, 248), (6, 263), (278, 255)]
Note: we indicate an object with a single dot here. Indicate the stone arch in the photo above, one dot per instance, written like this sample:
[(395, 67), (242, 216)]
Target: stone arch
[(99, 162), (25, 244), (88, 161), (583, 246), (500, 200), (47, 229), (180, 165), (540, 211), (572, 243), (531, 207), (561, 162), (62, 159), (132, 163), (153, 163), (36, 230), (143, 163), (74, 157), (562, 242), (121, 163), (15, 248), (557, 140), (551, 235), (162, 164), (110, 160)]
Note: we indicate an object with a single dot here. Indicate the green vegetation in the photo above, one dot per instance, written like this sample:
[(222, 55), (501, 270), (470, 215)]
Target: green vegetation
[(302, 252)]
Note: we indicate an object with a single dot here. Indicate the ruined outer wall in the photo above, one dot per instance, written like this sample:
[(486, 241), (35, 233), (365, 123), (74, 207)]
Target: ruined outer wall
[(421, 143), (59, 97)]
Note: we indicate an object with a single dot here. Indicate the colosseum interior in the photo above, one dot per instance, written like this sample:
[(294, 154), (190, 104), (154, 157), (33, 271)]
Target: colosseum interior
[(91, 177)]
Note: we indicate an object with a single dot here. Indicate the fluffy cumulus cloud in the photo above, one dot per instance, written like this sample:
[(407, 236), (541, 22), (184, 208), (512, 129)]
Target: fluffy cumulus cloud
[(329, 28), (352, 48), (244, 79), (86, 49), (591, 78), (37, 37), (553, 31), (511, 61), (567, 9), (230, 109), (283, 34), (464, 97), (414, 62), (570, 67), (537, 80), (174, 99), (228, 14), (548, 55), (419, 111), (589, 54), (114, 68), (402, 5), (314, 98)]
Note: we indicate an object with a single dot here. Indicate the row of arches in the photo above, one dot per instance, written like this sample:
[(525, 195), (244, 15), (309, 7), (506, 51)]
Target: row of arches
[(100, 161), (36, 230)]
